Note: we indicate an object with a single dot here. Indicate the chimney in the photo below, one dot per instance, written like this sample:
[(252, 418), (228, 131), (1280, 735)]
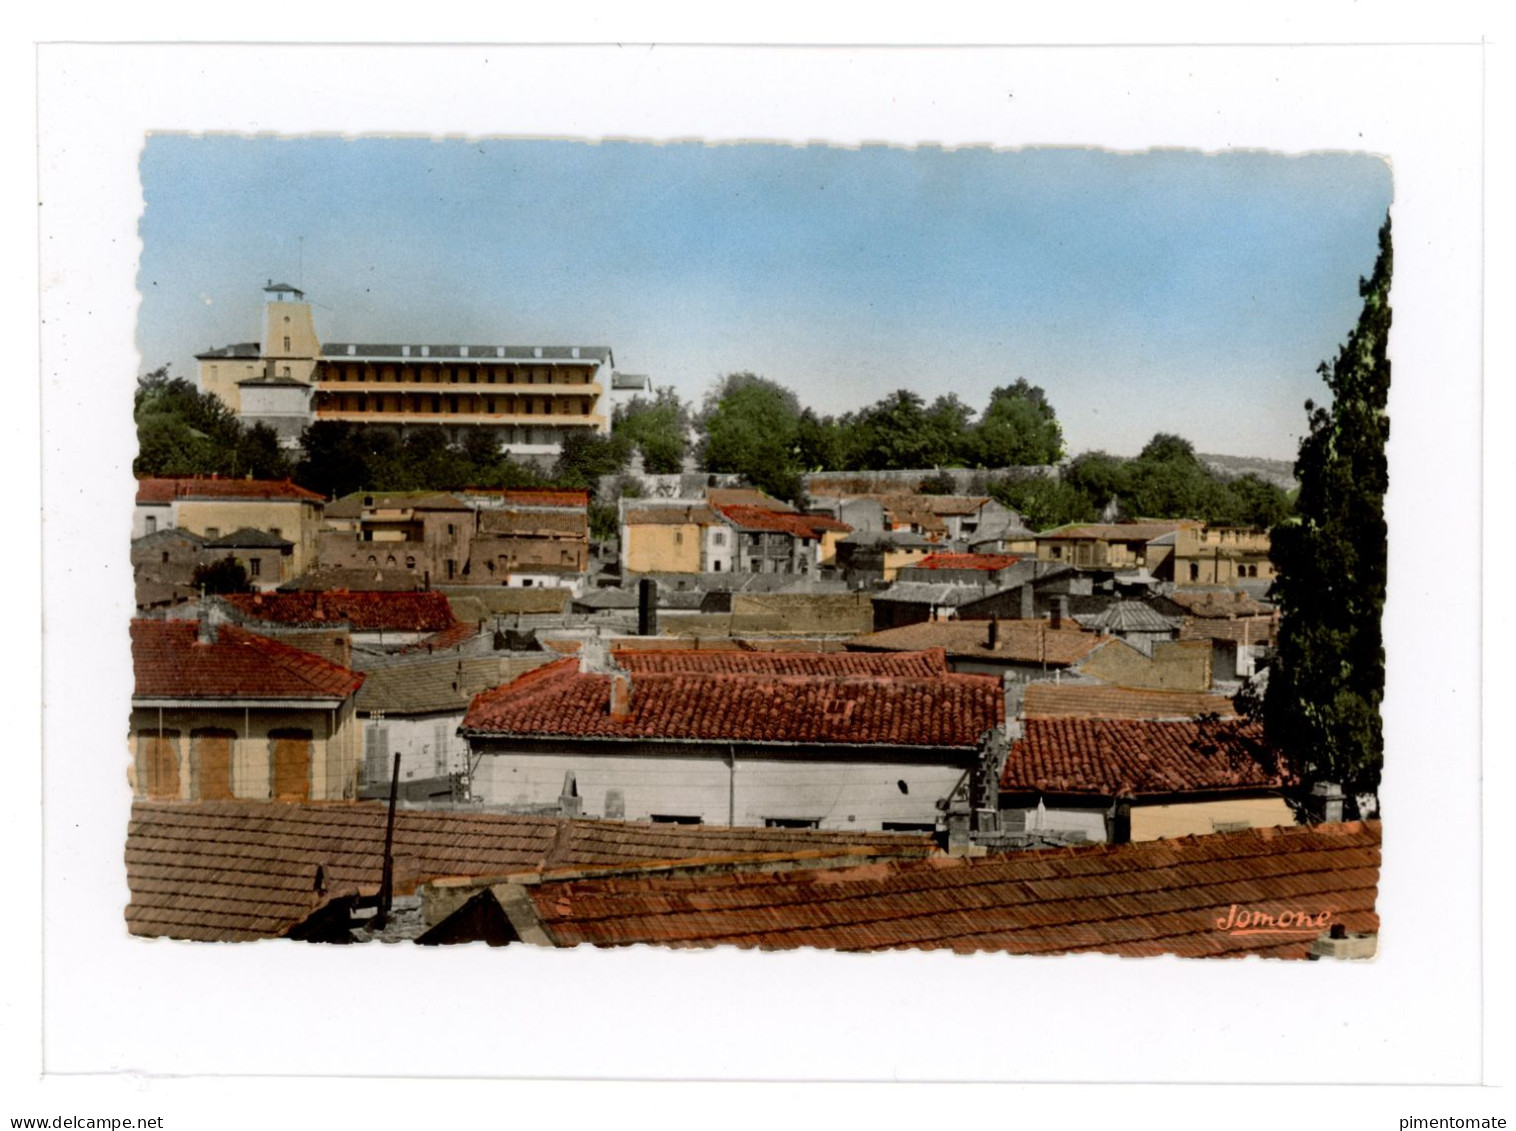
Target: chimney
[(212, 617), (1028, 601), (1060, 610), (621, 695), (994, 637), (1326, 802), (647, 607), (570, 804), (1118, 822)]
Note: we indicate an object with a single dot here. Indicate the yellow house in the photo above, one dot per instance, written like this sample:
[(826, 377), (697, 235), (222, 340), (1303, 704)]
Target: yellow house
[(219, 712), (664, 538), (1212, 555), (1112, 545), (214, 508)]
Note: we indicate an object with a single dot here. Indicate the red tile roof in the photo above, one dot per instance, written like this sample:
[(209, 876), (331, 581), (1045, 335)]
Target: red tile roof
[(781, 522), (235, 870), (695, 514), (167, 490), (1111, 758), (538, 496), (171, 663), (364, 611), (987, 562), (1157, 897), (922, 665), (1019, 641), (1045, 699), (561, 701)]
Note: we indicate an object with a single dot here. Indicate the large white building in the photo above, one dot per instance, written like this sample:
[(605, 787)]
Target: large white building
[(527, 398)]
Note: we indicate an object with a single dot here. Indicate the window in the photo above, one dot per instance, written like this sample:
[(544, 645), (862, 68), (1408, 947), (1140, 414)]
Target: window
[(450, 530), (213, 532), (152, 524), (254, 567), (158, 764), (1194, 571), (290, 765), (286, 341), (716, 566), (790, 823), (674, 819), (718, 538), (451, 566), (165, 557), (376, 755), (678, 537), (410, 561), (211, 764)]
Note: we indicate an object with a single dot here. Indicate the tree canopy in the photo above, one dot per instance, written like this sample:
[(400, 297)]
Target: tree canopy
[(183, 431), (1326, 682), (1019, 428), (752, 428), (659, 428)]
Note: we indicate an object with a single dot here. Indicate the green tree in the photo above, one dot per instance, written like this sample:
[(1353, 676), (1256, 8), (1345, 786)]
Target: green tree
[(585, 457), (659, 428), (752, 428), (1167, 480), (1018, 429), (1327, 679), (182, 431), (1044, 501), (1101, 478), (227, 575), (824, 443)]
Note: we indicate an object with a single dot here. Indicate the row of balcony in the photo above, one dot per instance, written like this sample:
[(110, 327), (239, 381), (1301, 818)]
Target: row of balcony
[(326, 383), (526, 419)]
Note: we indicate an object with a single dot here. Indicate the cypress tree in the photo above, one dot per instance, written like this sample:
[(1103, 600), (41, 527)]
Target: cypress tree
[(1327, 679)]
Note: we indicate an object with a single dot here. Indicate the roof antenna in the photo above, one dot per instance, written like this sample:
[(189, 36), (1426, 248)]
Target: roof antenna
[(300, 266)]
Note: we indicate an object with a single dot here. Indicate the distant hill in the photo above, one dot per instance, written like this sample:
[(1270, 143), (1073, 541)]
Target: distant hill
[(1279, 472)]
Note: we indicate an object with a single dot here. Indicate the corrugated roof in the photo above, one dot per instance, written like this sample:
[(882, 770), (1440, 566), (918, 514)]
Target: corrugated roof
[(928, 593), (1113, 758), (1128, 616), (1151, 898), (238, 870), (1019, 641), (169, 662), (561, 701)]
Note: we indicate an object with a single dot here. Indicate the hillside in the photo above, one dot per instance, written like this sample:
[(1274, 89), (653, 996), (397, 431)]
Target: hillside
[(1279, 472)]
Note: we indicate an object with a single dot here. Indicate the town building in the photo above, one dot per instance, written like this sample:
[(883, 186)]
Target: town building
[(526, 398), (1211, 555), (266, 558), (1117, 546), (213, 507), (163, 566), (985, 570), (219, 712), (375, 619), (1142, 779), (820, 740)]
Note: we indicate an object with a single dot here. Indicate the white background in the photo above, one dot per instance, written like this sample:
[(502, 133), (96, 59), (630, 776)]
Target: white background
[(115, 1005)]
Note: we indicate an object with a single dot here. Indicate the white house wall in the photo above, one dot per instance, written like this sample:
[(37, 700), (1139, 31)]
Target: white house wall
[(840, 795)]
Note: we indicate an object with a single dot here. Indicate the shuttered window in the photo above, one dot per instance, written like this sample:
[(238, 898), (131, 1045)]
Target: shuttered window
[(211, 765), (291, 764), (158, 764)]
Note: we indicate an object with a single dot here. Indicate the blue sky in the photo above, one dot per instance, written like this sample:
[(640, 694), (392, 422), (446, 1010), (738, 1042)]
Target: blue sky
[(1166, 291)]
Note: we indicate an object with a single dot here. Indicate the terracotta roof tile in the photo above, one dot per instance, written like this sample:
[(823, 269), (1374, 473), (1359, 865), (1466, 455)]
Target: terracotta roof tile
[(781, 522), (170, 663), (236, 870), (989, 563), (1211, 603), (365, 611), (922, 665), (696, 514), (1020, 641), (565, 523), (1045, 699), (167, 490), (561, 701), (1157, 897), (1110, 758)]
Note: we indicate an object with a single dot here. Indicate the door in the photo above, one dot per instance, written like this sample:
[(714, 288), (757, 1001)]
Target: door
[(291, 765)]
